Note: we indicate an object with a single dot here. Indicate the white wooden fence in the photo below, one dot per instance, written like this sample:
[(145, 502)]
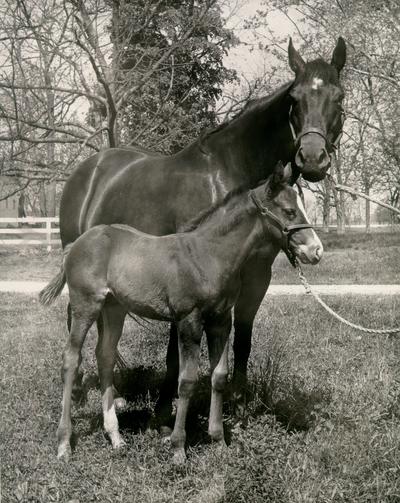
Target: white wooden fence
[(48, 230)]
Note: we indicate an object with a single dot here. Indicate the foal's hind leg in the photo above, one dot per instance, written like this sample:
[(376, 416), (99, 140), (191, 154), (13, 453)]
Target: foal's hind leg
[(218, 344), (113, 316), (190, 331), (78, 391), (82, 319)]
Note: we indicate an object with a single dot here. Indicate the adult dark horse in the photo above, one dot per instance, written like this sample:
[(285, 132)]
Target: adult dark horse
[(300, 123)]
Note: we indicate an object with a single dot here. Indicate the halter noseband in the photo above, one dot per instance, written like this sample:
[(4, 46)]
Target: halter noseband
[(286, 230), (297, 137)]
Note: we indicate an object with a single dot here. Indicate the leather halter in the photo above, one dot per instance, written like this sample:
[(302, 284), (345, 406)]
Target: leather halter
[(297, 137), (286, 230)]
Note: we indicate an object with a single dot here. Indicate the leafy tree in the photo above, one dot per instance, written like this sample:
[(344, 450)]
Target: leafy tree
[(78, 76), (369, 157), (180, 99)]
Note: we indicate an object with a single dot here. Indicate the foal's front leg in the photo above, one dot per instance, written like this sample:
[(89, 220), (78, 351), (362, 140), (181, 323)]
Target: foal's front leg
[(190, 331)]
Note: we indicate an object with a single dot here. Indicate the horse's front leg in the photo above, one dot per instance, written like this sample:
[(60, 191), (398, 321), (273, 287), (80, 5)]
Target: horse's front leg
[(255, 277), (190, 331)]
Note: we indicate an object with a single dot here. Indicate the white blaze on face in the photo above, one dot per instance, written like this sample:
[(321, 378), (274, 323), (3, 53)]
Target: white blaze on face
[(317, 83), (316, 242)]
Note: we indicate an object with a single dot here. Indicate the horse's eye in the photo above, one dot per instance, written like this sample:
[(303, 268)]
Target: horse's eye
[(290, 214)]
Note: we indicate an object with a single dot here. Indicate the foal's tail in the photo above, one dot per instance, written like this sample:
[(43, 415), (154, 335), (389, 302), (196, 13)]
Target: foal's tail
[(50, 292)]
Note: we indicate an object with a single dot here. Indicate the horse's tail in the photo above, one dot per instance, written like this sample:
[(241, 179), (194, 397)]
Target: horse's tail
[(50, 292)]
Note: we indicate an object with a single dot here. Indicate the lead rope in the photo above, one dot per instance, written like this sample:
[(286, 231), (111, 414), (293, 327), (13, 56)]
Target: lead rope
[(309, 291)]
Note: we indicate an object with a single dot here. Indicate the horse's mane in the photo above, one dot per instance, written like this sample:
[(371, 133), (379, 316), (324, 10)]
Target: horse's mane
[(204, 215), (249, 107)]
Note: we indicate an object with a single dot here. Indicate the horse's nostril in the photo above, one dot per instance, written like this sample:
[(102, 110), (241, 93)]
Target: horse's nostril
[(323, 158), (318, 252)]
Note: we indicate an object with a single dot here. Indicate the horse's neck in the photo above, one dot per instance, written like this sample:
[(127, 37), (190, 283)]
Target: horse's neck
[(232, 233), (254, 142)]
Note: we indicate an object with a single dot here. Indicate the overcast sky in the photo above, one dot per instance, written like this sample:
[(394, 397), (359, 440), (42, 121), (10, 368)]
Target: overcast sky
[(247, 58)]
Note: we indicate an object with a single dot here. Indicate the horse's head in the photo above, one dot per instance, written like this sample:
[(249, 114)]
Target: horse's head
[(316, 114), (284, 217)]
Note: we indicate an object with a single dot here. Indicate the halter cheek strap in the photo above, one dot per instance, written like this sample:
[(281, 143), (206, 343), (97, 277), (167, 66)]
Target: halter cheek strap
[(286, 230)]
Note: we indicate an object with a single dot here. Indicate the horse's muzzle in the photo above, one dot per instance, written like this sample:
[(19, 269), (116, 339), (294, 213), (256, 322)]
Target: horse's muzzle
[(312, 157), (309, 255)]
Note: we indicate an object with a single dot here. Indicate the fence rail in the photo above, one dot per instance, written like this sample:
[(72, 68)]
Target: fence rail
[(48, 230)]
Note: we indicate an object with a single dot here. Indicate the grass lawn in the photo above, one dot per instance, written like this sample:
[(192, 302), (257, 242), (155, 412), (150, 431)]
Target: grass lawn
[(352, 258), (324, 421)]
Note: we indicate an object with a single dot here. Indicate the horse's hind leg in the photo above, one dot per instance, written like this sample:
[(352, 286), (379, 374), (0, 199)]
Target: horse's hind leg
[(255, 276), (190, 331), (82, 319), (110, 330), (218, 344)]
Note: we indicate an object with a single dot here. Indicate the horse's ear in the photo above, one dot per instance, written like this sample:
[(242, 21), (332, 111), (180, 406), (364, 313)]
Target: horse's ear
[(339, 55), (282, 174), (296, 62)]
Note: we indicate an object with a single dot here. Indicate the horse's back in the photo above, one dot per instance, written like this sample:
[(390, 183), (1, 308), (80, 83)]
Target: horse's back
[(89, 183)]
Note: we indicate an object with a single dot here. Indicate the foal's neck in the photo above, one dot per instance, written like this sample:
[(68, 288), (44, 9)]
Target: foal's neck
[(233, 232)]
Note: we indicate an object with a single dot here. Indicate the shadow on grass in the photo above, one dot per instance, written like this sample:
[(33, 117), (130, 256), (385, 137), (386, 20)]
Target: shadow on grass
[(140, 388), (294, 406)]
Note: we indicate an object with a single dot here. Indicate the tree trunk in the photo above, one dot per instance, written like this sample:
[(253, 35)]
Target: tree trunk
[(21, 206), (42, 200), (326, 206), (339, 195), (367, 212)]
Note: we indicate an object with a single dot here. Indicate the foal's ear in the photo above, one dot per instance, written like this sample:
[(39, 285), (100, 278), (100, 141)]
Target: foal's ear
[(296, 62), (282, 174), (339, 55)]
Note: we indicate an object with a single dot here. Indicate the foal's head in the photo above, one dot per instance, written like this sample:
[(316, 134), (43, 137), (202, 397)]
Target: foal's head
[(284, 217), (316, 114)]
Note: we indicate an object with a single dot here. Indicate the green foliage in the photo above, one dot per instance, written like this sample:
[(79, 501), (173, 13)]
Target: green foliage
[(179, 101)]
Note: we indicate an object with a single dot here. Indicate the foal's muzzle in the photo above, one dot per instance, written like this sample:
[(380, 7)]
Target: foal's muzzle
[(307, 254)]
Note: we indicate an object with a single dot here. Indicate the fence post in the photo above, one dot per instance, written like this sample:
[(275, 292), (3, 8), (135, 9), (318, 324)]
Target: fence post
[(48, 234)]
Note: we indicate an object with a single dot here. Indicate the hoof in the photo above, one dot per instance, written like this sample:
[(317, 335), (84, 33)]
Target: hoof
[(120, 403), (221, 446), (165, 432), (79, 396), (179, 457), (118, 442), (64, 452)]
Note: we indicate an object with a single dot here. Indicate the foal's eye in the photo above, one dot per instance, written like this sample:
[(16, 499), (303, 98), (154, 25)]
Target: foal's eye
[(290, 214)]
